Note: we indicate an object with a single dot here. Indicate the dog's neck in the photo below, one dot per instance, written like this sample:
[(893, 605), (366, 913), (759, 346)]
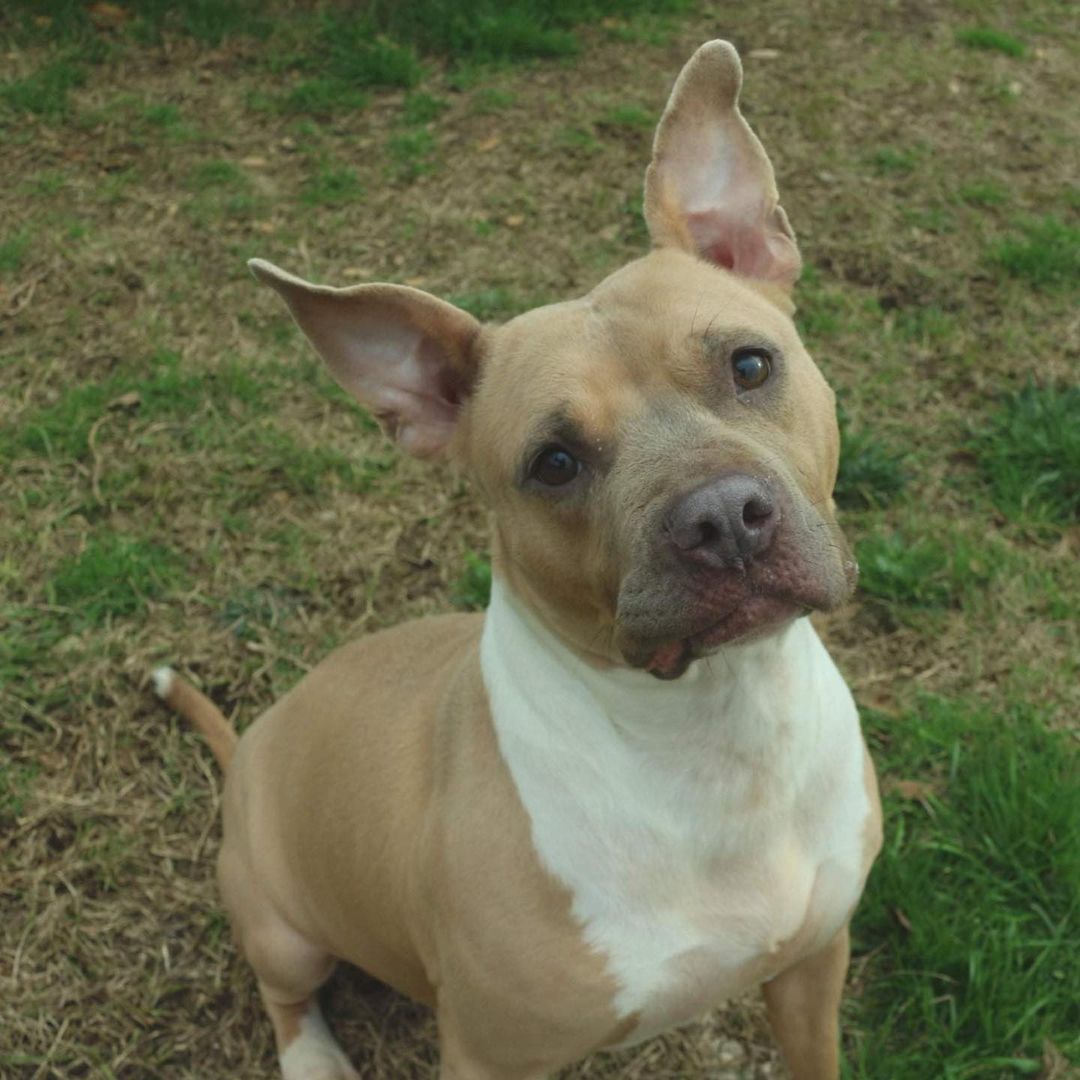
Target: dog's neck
[(741, 700)]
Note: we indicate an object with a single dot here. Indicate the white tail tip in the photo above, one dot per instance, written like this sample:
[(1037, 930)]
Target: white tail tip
[(163, 680)]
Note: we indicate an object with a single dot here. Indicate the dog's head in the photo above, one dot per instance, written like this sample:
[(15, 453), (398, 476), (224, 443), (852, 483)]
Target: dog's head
[(660, 455)]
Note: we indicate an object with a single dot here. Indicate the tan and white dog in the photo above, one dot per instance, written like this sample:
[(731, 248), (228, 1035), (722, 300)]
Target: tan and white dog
[(636, 786)]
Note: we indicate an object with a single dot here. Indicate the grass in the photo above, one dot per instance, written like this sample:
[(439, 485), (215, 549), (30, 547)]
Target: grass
[(61, 431), (872, 472), (1046, 254), (988, 40), (114, 576), (891, 161), (1029, 453), (971, 909), (13, 250), (472, 589), (923, 571), (983, 193), (489, 305), (410, 154), (331, 185), (423, 108), (45, 92), (183, 482)]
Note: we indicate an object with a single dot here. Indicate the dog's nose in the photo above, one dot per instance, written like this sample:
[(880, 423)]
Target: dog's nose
[(724, 523)]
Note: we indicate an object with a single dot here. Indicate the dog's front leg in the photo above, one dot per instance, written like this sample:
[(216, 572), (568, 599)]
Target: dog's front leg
[(461, 1059), (803, 1004)]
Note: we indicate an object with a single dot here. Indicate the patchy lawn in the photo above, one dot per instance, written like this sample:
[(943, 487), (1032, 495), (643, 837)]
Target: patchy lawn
[(181, 482)]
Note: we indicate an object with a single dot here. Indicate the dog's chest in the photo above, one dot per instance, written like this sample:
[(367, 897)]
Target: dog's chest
[(704, 851)]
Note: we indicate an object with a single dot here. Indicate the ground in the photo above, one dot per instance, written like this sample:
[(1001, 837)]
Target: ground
[(181, 483)]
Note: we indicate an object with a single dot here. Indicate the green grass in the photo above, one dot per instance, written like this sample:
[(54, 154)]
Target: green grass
[(981, 37), (162, 115), (15, 782), (629, 116), (488, 99), (472, 590), (422, 108), (872, 471), (216, 174), (983, 193), (924, 570), (44, 92), (410, 154), (926, 324), (893, 161), (252, 609), (46, 184), (268, 459), (489, 305), (1029, 454), (324, 97), (166, 389), (13, 250), (970, 913), (1046, 255), (114, 575), (331, 185), (341, 55)]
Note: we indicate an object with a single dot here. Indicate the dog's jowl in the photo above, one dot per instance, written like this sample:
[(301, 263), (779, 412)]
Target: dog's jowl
[(636, 786)]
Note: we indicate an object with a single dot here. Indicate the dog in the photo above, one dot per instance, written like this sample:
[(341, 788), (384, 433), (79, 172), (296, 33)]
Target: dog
[(636, 785)]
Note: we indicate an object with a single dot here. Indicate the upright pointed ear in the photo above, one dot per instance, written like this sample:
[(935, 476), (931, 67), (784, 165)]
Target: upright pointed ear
[(402, 353), (710, 188)]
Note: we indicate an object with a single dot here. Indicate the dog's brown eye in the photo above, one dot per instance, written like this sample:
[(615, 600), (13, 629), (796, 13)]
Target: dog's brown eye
[(554, 466), (751, 367)]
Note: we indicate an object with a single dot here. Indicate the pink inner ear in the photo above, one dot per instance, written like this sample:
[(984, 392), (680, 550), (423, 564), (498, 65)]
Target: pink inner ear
[(747, 247), (721, 255)]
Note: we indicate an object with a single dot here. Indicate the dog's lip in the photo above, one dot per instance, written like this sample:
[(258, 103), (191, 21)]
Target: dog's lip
[(671, 659)]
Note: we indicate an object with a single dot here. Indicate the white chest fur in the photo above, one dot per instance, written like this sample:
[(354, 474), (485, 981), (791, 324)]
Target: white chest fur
[(699, 825)]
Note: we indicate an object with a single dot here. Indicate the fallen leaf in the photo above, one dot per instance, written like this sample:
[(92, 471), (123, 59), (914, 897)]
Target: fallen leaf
[(415, 281), (915, 790), (514, 220), (253, 162), (488, 144), (131, 400), (901, 917), (763, 54), (107, 16), (1055, 1066)]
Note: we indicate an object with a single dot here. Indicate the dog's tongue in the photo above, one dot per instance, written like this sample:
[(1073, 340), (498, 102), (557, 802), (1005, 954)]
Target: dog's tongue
[(666, 660)]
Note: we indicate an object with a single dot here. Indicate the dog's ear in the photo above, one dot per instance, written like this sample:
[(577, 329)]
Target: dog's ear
[(710, 187), (404, 354)]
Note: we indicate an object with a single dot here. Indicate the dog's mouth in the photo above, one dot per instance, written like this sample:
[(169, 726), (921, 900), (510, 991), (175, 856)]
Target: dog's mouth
[(757, 617), (671, 621)]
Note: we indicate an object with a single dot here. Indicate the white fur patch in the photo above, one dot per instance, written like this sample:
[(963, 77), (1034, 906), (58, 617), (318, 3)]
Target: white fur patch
[(698, 823), (314, 1054), (163, 680)]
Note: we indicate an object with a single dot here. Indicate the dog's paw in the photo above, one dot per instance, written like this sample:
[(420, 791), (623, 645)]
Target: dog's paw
[(315, 1055)]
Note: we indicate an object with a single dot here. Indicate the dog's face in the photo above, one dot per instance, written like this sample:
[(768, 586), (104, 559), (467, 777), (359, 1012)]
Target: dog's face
[(660, 455)]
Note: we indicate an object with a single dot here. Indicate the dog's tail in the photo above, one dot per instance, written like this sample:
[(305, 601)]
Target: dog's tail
[(199, 711)]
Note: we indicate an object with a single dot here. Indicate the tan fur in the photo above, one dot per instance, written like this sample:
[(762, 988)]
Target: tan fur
[(202, 714)]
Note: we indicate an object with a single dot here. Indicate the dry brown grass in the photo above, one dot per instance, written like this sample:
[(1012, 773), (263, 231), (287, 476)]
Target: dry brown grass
[(114, 957)]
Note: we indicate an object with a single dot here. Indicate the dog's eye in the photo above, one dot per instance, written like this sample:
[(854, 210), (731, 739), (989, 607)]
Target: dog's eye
[(554, 466), (751, 367)]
